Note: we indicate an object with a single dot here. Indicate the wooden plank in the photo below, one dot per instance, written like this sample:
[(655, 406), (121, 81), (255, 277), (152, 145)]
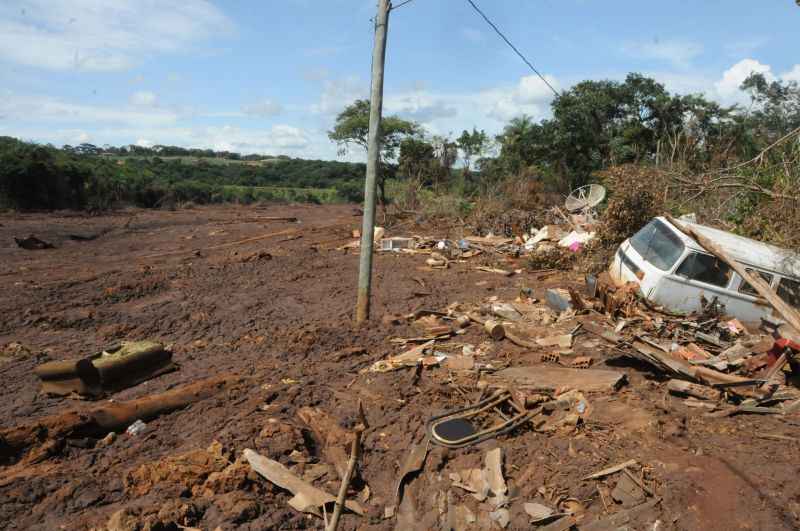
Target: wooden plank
[(789, 314), (307, 498), (610, 470), (600, 331), (552, 378)]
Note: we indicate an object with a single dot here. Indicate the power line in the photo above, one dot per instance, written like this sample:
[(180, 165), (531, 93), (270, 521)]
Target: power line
[(481, 13), (401, 4)]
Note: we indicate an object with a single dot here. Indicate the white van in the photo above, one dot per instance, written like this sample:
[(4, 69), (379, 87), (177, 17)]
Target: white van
[(675, 272)]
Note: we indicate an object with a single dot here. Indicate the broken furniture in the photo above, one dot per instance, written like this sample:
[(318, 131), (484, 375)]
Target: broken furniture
[(462, 427)]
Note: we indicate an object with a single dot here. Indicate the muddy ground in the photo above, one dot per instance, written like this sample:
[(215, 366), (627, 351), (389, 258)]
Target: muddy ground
[(277, 311)]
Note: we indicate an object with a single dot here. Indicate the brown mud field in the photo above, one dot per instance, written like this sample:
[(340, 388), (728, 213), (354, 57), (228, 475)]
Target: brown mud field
[(272, 316)]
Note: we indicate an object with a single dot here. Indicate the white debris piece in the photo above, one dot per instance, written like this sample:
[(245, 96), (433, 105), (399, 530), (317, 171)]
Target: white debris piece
[(576, 237)]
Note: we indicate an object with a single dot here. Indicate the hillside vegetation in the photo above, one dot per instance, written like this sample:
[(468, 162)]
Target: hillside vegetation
[(737, 167)]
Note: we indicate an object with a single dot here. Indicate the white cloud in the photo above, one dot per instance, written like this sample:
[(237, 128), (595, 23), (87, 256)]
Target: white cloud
[(143, 98), (277, 139), (727, 88), (792, 75), (338, 93), (143, 142), (679, 53), (264, 108), (102, 36), (48, 110)]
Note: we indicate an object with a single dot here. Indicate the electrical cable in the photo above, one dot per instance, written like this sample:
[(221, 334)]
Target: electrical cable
[(401, 4), (497, 30)]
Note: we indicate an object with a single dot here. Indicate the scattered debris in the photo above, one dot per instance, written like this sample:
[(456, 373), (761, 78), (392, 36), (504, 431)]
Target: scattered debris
[(459, 428), (553, 378), (32, 442), (120, 366), (611, 470), (136, 428), (307, 498), (32, 243)]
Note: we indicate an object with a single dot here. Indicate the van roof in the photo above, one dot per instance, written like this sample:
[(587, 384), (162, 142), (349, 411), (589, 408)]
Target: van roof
[(750, 252)]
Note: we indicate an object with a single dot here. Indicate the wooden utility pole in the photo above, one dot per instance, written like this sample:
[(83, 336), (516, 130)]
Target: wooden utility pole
[(373, 155)]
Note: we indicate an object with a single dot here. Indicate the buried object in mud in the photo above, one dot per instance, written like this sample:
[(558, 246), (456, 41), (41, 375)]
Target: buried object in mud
[(307, 498), (32, 243), (97, 422), (123, 365), (454, 429)]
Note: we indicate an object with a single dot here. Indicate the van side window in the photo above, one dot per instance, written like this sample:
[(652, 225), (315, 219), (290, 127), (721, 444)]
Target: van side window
[(705, 268), (745, 287), (789, 291)]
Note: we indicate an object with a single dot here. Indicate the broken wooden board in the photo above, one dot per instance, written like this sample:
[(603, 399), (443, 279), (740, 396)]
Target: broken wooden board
[(661, 360), (495, 241), (307, 498), (552, 378), (599, 330)]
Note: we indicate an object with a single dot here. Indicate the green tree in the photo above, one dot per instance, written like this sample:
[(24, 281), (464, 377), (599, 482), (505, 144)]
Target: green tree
[(351, 128), (472, 145), (776, 106)]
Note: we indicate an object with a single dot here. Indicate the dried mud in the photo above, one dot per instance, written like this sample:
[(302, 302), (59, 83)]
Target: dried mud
[(277, 312)]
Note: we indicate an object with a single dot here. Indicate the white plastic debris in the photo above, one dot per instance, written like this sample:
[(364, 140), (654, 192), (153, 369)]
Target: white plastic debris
[(136, 428), (576, 237)]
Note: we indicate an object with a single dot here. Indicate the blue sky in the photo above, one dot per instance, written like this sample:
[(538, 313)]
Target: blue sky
[(269, 76)]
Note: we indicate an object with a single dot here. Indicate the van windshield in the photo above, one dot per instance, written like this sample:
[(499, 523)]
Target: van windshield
[(658, 245)]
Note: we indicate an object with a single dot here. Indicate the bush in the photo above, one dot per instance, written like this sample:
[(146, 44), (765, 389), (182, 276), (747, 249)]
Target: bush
[(631, 204)]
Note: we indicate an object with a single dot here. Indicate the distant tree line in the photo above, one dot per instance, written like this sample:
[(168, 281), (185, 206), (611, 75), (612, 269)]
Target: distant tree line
[(36, 176), (594, 125)]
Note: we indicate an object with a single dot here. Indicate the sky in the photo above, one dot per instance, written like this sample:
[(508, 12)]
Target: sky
[(270, 76)]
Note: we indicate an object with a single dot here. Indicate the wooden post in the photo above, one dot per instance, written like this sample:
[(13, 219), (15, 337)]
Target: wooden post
[(373, 152)]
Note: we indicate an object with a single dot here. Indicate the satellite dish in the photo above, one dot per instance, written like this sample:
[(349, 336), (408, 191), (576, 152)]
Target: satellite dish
[(584, 199)]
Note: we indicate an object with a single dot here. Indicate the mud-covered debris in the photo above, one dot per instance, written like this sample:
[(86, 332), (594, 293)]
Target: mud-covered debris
[(123, 365), (681, 387), (611, 470), (410, 358), (495, 329), (497, 414), (558, 299), (538, 512), (307, 498), (329, 436), (493, 470), (501, 517), (32, 243), (627, 492), (414, 462), (552, 378)]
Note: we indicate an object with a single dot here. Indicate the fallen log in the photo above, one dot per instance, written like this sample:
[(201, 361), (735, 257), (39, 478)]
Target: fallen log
[(47, 433)]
